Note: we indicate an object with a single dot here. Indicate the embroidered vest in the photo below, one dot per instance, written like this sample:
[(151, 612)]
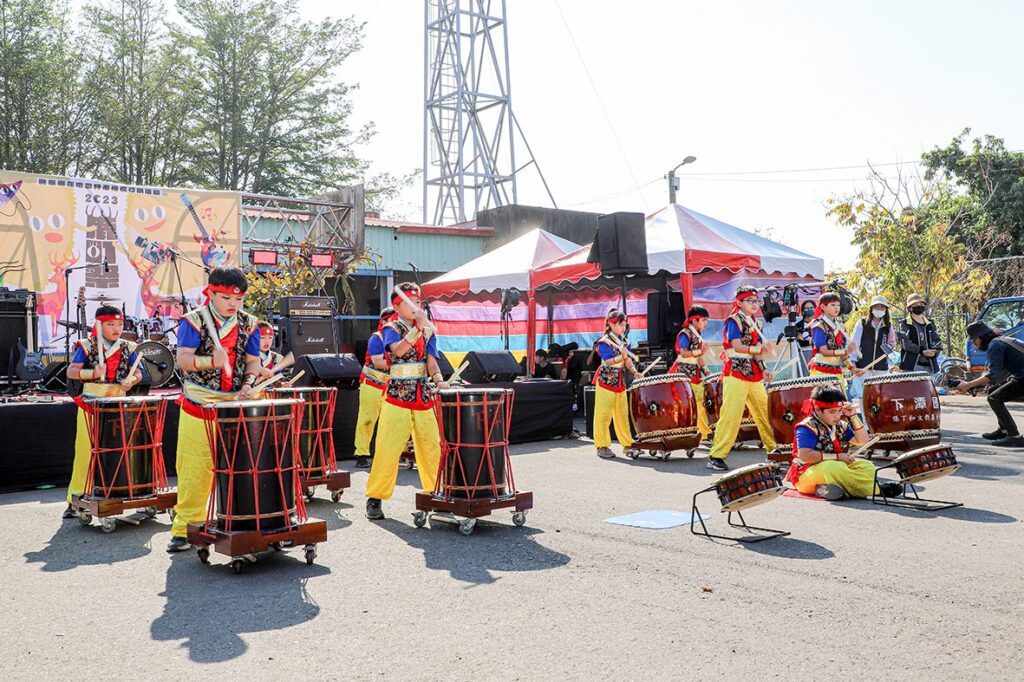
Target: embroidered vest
[(92, 355), (688, 367), (744, 366), (210, 379), (835, 339), (825, 442), (611, 375), (407, 381), (271, 359)]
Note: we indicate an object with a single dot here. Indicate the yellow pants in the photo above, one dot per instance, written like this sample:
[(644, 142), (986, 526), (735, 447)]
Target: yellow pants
[(609, 407), (737, 394), (857, 478), (393, 429), (841, 378), (83, 453), (370, 399), (195, 474), (703, 427)]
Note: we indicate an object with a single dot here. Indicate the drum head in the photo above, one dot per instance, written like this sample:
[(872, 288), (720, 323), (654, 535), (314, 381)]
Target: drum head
[(753, 500), (800, 382), (893, 377), (658, 379), (159, 362), (266, 402), (931, 474)]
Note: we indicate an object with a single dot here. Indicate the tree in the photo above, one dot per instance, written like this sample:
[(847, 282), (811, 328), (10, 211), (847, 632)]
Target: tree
[(993, 179), (275, 119), (43, 119)]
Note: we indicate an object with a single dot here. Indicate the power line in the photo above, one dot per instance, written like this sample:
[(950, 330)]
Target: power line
[(806, 170)]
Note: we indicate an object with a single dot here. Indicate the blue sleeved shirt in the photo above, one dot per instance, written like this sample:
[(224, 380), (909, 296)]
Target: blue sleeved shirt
[(391, 336), (606, 352), (375, 346), (80, 357), (682, 341), (806, 440), (188, 337), (732, 330), (1004, 361), (819, 338)]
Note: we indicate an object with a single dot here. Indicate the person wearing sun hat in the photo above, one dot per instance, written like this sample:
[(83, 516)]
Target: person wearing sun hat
[(919, 339), (873, 334)]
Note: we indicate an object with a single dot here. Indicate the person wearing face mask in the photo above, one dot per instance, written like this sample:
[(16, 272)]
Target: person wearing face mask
[(919, 340), (807, 316), (872, 335)]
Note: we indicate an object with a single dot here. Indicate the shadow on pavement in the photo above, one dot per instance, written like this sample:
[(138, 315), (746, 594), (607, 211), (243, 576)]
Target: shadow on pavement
[(75, 545), (789, 548), (493, 547), (208, 608), (958, 513)]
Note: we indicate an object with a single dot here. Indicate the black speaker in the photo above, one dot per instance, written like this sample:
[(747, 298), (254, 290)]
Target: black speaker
[(307, 336), (13, 328), (340, 370), (446, 367), (486, 366), (665, 315), (620, 245)]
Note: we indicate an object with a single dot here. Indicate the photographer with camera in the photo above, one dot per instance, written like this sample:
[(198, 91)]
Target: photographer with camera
[(1006, 373), (919, 340)]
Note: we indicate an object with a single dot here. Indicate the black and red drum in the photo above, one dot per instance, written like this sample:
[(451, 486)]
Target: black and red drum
[(126, 435), (474, 432), (786, 405), (256, 465), (749, 486), (663, 411), (315, 428), (713, 404), (902, 410), (925, 464)]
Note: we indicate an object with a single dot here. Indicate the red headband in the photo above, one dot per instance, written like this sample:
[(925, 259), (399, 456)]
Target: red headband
[(740, 297), (109, 317), (396, 299), (616, 318), (266, 332), (810, 404), (229, 289), (692, 318)]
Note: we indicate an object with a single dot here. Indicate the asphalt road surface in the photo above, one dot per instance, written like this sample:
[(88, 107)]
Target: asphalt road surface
[(857, 591)]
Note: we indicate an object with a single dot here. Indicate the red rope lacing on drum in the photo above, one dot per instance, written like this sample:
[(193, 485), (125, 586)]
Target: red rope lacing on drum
[(451, 457), (147, 428)]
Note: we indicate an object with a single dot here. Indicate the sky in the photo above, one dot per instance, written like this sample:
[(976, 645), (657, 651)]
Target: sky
[(611, 95)]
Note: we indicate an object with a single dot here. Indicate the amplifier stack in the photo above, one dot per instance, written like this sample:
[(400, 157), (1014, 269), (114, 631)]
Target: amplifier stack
[(307, 325)]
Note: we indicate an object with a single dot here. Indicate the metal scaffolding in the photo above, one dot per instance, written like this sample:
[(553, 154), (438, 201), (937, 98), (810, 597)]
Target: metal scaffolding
[(469, 130)]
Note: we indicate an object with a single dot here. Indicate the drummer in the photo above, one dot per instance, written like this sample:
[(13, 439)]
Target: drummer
[(269, 360), (114, 380), (830, 350), (610, 403), (822, 463), (743, 377), (690, 361), (205, 381), (372, 381), (411, 348)]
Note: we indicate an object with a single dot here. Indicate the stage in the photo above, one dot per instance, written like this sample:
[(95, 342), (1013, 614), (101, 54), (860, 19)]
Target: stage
[(41, 450)]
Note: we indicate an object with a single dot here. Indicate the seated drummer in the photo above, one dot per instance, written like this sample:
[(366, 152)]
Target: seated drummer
[(822, 463), (829, 348), (113, 380), (690, 361)]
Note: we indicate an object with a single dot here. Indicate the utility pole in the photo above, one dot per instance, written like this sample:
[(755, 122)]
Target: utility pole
[(673, 180)]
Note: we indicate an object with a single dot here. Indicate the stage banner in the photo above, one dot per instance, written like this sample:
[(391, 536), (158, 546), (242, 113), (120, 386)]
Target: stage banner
[(137, 247)]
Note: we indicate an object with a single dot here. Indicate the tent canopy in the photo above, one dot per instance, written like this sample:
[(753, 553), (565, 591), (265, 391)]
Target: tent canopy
[(680, 240), (505, 267)]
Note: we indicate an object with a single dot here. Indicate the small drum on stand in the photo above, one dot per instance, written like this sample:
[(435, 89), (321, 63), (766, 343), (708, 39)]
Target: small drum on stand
[(902, 410), (256, 501), (713, 404), (663, 411), (786, 408), (475, 473), (126, 465), (318, 463), (131, 329), (917, 466), (741, 489)]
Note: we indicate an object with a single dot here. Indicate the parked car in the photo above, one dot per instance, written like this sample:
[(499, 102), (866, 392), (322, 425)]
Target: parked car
[(1006, 316)]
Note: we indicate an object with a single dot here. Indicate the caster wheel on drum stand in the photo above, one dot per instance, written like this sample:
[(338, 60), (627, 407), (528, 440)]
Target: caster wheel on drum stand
[(690, 453), (419, 519), (84, 518), (276, 546), (151, 512), (336, 495), (310, 554), (309, 493), (633, 454), (519, 518), (108, 524), (665, 455), (237, 565), (410, 464), (466, 526), (204, 554)]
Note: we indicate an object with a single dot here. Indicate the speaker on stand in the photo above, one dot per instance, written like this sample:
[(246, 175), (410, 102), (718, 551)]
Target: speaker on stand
[(620, 247)]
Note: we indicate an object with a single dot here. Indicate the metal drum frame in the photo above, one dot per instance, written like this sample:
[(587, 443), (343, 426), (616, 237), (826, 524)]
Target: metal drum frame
[(760, 495), (910, 478)]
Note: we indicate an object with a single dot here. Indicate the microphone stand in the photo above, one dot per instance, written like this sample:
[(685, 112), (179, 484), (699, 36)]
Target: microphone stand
[(67, 303)]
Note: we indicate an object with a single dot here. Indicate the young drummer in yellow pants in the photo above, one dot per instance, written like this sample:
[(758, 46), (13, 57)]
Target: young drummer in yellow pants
[(690, 361), (610, 402), (205, 381), (372, 381), (743, 375), (822, 464), (830, 350), (408, 407), (102, 361)]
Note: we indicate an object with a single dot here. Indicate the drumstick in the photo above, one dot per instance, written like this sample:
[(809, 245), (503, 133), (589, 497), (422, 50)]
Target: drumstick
[(100, 351), (135, 365), (650, 367), (401, 294), (263, 385), (291, 382), (875, 362), (457, 373), (204, 312), (864, 447)]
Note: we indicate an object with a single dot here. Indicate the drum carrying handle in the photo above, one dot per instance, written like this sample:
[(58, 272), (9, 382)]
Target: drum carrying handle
[(653, 407), (875, 408), (789, 417)]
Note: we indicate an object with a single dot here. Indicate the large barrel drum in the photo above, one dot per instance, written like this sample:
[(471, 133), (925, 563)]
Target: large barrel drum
[(255, 445), (713, 405), (315, 428), (663, 411), (902, 410), (474, 426), (786, 405), (126, 434)]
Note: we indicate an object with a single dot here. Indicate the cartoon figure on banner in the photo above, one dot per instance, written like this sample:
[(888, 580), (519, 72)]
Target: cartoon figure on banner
[(52, 302), (8, 192), (213, 254), (151, 299)]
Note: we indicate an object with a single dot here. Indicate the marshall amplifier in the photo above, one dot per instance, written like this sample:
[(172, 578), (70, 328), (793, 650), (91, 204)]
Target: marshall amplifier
[(305, 306), (306, 336)]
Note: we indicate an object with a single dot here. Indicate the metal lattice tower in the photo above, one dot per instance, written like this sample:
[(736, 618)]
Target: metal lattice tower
[(469, 130)]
